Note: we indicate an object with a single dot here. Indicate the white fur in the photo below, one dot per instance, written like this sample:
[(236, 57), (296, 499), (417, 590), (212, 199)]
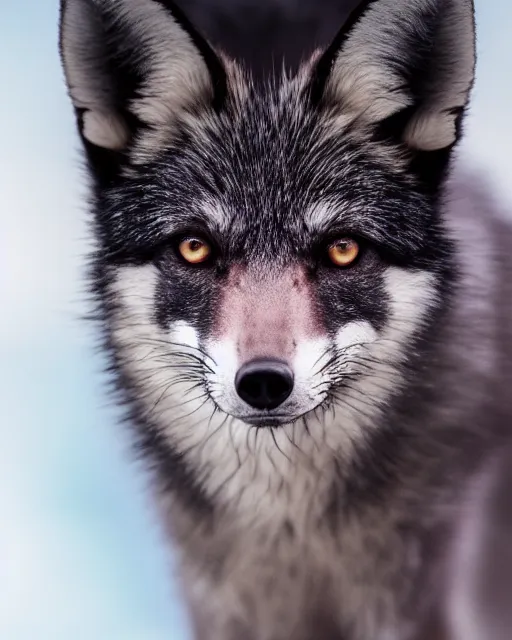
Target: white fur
[(105, 129), (184, 333), (222, 386), (359, 333), (239, 464), (217, 215), (309, 356), (317, 217)]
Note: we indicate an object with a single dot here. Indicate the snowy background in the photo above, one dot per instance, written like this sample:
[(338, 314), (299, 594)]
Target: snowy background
[(80, 553)]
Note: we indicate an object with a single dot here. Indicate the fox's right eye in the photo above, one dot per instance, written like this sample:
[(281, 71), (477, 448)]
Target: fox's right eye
[(194, 250)]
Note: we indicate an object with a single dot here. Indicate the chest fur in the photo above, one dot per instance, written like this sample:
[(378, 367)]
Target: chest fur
[(292, 578)]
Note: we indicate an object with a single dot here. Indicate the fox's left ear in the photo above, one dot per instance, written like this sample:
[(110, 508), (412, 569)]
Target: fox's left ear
[(406, 63)]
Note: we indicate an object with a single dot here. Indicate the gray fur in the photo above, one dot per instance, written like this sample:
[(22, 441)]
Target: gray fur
[(336, 520), (284, 579), (372, 89)]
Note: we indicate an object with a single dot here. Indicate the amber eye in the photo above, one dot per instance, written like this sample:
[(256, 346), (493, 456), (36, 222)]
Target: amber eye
[(194, 250), (343, 252)]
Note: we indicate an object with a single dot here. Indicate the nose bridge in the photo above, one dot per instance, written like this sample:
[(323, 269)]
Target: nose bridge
[(267, 314), (267, 328)]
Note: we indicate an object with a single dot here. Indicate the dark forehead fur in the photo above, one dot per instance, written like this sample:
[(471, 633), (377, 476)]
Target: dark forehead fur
[(252, 175)]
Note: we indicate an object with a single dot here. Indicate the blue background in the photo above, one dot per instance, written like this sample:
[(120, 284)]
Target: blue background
[(81, 553)]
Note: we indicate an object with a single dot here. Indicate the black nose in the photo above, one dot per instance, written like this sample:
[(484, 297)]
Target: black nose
[(264, 384)]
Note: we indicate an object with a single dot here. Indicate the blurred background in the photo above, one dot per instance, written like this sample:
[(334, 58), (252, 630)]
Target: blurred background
[(81, 554)]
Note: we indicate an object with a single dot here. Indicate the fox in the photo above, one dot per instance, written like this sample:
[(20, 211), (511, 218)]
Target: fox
[(306, 308)]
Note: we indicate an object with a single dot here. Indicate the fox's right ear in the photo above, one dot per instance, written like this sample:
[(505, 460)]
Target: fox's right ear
[(133, 66)]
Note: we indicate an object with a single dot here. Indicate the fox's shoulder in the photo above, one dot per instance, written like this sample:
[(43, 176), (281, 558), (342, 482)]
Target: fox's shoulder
[(481, 224)]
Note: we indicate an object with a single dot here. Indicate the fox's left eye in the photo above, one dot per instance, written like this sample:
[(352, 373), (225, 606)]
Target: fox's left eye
[(343, 252), (194, 250)]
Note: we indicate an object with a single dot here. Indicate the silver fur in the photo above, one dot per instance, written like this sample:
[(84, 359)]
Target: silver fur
[(338, 518)]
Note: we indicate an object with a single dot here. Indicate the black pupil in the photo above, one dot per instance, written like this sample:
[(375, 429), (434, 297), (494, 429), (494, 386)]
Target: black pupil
[(195, 245)]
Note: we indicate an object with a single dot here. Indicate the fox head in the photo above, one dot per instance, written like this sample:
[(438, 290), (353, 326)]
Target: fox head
[(270, 257)]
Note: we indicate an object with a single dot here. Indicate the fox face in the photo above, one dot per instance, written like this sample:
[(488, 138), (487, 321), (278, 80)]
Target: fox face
[(271, 258)]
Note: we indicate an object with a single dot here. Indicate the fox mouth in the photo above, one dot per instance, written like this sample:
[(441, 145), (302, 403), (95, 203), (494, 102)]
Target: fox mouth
[(271, 420)]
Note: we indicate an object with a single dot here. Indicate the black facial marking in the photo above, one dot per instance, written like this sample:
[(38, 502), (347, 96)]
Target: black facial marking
[(185, 292), (353, 293)]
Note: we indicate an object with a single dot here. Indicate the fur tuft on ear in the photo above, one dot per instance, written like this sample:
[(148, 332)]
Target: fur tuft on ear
[(133, 63), (410, 57)]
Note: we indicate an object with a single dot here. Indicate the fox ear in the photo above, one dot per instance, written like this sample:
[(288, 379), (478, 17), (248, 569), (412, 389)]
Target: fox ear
[(132, 64), (409, 63)]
